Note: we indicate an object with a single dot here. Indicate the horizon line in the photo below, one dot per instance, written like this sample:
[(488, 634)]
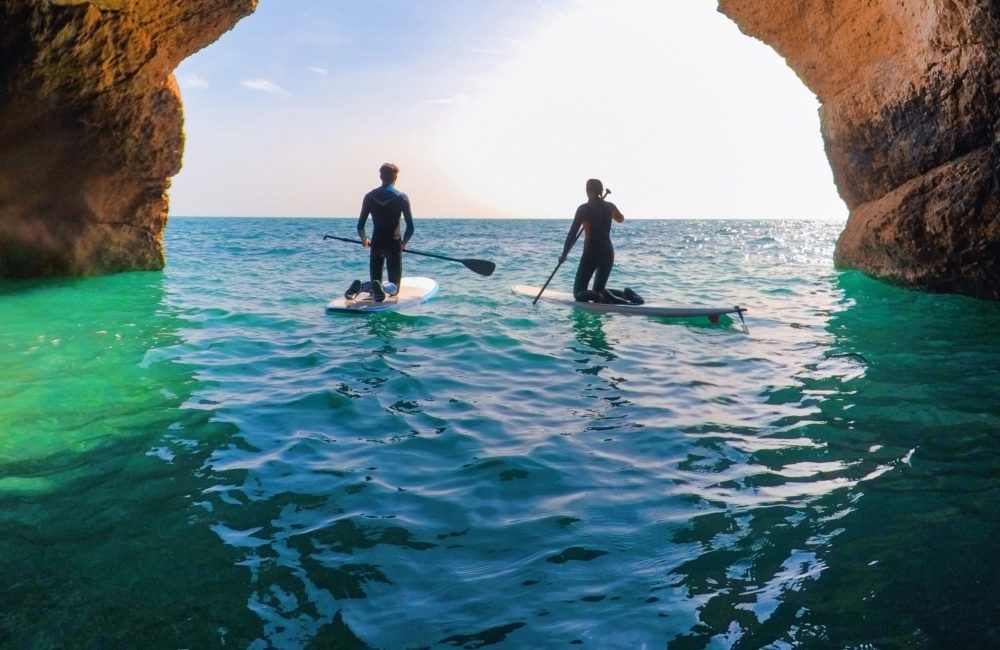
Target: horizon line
[(422, 218)]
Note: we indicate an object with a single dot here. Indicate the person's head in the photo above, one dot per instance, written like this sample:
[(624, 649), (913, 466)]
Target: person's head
[(388, 173), (595, 189)]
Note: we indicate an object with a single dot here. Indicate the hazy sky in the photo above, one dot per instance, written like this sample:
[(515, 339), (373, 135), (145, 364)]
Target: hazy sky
[(499, 108)]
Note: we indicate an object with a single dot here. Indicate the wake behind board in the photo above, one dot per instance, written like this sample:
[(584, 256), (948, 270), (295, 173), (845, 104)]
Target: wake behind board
[(663, 311), (412, 291)]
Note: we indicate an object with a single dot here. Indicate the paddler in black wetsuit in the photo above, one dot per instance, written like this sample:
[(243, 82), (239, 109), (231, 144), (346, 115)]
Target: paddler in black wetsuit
[(385, 205), (595, 217)]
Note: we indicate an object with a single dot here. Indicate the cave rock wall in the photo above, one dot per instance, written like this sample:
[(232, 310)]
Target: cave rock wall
[(909, 95), (91, 128)]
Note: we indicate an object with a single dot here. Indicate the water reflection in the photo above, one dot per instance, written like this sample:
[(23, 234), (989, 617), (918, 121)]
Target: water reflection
[(588, 328), (869, 523), (916, 563), (103, 479), (451, 478), (385, 328)]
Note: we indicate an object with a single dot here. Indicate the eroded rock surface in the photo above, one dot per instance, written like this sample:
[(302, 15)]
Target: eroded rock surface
[(909, 92), (90, 127)]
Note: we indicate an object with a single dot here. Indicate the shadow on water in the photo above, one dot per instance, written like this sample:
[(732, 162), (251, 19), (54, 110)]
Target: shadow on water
[(895, 543)]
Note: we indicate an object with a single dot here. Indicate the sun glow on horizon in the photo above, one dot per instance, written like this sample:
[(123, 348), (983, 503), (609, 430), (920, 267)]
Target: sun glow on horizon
[(502, 109), (667, 103)]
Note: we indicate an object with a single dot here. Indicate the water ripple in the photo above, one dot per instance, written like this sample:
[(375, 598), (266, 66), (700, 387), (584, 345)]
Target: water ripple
[(480, 471)]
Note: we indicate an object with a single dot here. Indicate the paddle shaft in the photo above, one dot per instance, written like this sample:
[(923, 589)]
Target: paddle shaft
[(556, 270), (406, 250)]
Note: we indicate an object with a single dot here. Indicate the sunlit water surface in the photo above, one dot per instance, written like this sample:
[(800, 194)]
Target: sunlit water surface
[(203, 458)]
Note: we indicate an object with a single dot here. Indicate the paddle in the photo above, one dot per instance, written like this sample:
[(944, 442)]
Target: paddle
[(482, 267), (554, 271), (579, 232)]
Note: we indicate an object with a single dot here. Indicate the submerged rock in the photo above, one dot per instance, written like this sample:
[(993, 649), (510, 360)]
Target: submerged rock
[(909, 92), (90, 128)]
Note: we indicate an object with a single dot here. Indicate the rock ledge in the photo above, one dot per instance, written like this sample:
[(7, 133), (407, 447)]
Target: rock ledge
[(909, 92)]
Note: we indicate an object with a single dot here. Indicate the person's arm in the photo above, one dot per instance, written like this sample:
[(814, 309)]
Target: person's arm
[(616, 214), (408, 216), (572, 236), (362, 220)]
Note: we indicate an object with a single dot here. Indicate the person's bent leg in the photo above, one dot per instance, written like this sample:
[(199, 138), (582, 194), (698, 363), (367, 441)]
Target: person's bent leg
[(588, 296), (616, 297), (584, 272), (375, 263), (353, 290), (603, 264), (394, 263), (633, 297)]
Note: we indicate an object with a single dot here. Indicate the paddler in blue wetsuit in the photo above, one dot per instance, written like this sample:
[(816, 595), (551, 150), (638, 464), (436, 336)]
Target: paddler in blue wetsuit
[(385, 205), (595, 217)]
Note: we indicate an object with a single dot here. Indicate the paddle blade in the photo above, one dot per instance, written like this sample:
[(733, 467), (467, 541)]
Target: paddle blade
[(482, 267)]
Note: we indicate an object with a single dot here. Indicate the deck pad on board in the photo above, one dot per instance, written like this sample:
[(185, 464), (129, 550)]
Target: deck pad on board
[(412, 291)]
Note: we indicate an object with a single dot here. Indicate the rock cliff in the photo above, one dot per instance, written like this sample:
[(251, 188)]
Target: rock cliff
[(909, 95), (90, 127)]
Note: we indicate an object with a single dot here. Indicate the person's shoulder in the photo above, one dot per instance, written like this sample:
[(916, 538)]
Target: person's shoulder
[(611, 206), (389, 192)]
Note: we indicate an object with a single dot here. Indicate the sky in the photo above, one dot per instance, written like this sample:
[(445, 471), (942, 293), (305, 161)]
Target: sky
[(499, 108)]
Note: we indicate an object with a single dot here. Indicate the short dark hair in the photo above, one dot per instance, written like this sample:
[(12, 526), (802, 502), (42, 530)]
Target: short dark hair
[(389, 167)]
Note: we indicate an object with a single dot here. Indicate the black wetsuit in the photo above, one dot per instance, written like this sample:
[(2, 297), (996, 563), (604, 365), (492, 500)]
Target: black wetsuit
[(598, 253), (386, 205)]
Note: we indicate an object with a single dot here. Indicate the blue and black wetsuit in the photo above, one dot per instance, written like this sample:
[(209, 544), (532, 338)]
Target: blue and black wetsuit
[(598, 258), (386, 205)]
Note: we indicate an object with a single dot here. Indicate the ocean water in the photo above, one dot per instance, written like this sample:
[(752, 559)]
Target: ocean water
[(202, 458)]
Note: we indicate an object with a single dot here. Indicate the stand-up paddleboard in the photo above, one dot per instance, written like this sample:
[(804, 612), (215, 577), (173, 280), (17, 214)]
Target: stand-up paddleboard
[(641, 310), (412, 291)]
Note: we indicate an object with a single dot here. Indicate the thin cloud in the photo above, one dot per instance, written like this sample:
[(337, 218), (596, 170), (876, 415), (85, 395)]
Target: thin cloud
[(264, 85), (316, 70), (193, 82), (457, 99)]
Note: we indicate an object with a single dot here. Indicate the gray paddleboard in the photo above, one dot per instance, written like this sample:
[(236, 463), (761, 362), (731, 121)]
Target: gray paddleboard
[(664, 311)]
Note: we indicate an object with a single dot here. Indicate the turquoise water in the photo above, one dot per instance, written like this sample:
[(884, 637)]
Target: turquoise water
[(202, 458)]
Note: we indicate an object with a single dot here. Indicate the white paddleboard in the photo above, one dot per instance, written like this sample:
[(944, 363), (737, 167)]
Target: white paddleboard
[(412, 291), (640, 310)]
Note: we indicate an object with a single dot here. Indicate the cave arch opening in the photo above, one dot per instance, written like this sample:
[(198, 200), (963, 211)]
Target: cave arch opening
[(910, 112), (499, 112)]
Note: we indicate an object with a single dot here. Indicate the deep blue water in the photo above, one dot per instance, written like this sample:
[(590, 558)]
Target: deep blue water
[(203, 458)]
